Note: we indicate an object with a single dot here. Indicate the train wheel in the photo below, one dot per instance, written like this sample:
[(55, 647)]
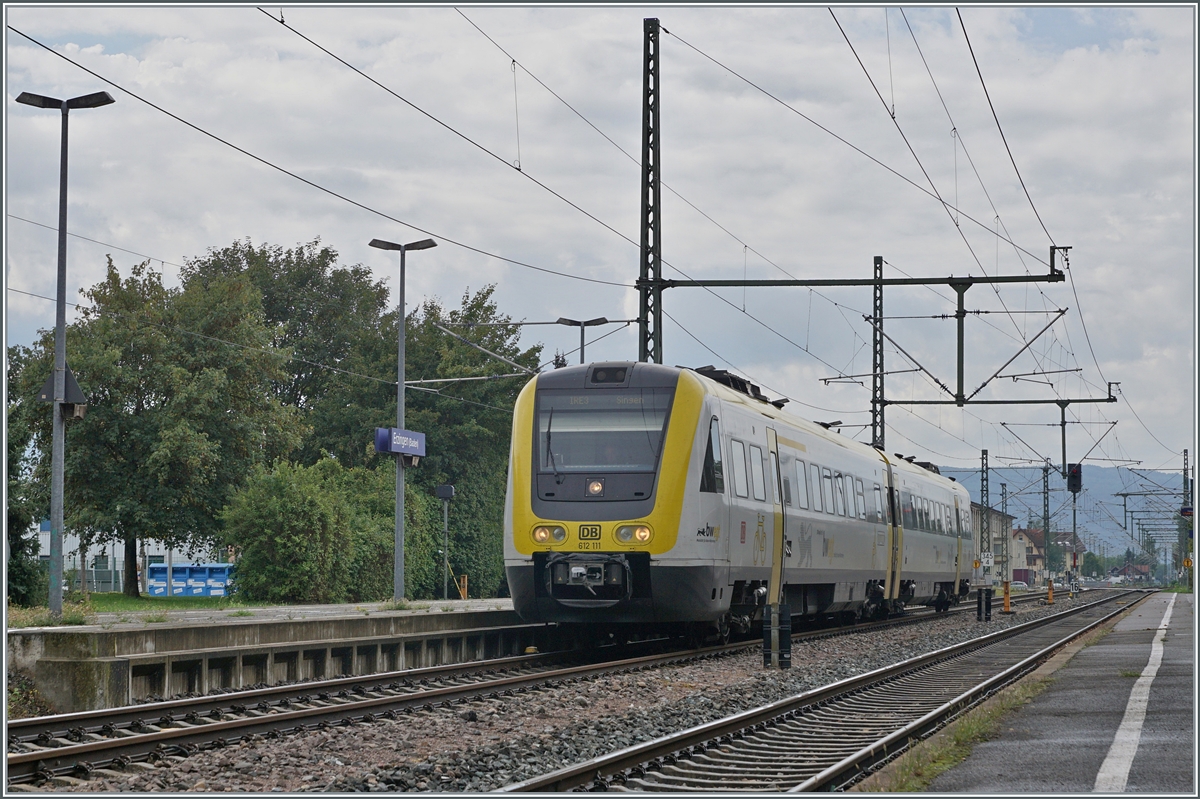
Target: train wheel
[(723, 630)]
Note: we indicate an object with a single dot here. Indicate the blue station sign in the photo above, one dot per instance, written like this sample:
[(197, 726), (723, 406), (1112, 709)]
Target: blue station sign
[(399, 442)]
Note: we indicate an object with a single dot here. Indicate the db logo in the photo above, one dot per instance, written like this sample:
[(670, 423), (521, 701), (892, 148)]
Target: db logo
[(743, 532)]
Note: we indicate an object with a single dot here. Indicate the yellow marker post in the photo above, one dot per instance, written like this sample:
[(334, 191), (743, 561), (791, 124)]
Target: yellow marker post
[(1007, 608)]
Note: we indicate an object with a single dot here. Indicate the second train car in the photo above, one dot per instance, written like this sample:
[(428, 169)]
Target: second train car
[(646, 496)]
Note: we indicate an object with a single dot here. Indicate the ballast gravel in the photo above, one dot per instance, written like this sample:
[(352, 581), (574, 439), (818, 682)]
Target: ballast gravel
[(491, 743)]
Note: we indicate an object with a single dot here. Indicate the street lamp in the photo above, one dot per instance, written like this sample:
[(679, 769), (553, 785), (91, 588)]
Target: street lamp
[(398, 563), (58, 438), (600, 320)]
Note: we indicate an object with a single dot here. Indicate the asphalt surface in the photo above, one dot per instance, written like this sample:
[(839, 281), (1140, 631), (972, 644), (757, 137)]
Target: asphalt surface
[(1058, 742)]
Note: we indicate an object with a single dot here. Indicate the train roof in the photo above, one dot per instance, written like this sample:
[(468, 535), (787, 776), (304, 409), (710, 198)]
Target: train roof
[(721, 382)]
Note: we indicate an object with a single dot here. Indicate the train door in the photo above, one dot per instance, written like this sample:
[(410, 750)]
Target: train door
[(895, 534), (714, 531), (778, 541), (958, 548)]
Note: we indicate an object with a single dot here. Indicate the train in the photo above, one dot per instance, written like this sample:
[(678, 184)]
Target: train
[(648, 497)]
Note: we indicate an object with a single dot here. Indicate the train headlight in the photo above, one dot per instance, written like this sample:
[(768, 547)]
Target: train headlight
[(546, 534), (595, 488), (634, 534)]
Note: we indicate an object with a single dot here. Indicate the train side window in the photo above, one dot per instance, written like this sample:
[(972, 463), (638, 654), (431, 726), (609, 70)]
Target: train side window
[(827, 491), (945, 523), (787, 492), (851, 501), (841, 498), (907, 512), (862, 498), (878, 516), (815, 473), (801, 485), (737, 454), (758, 483), (712, 477), (839, 502)]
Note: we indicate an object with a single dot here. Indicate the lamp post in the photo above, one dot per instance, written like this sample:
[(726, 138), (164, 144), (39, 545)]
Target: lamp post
[(600, 320), (398, 563), (58, 436)]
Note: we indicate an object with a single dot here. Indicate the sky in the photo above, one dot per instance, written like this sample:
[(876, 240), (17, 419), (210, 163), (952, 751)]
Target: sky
[(795, 142)]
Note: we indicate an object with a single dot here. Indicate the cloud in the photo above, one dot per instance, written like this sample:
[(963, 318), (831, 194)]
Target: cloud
[(1097, 106)]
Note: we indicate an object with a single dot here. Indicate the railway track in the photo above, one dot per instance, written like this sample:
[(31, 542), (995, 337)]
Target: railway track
[(828, 738), (82, 744)]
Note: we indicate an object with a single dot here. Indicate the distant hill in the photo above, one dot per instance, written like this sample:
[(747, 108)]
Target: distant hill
[(1098, 509)]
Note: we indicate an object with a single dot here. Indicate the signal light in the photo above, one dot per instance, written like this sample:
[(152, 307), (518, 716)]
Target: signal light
[(1074, 477)]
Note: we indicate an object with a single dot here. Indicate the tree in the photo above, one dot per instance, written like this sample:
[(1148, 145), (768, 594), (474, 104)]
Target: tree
[(468, 425), (332, 321), (27, 581), (179, 409)]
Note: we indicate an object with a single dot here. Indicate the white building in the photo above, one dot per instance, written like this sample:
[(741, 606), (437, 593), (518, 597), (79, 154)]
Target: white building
[(104, 564)]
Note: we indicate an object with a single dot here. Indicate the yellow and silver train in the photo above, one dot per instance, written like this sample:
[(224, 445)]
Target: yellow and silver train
[(641, 494)]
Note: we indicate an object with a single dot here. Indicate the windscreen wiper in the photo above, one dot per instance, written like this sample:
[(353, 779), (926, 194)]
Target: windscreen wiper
[(558, 477)]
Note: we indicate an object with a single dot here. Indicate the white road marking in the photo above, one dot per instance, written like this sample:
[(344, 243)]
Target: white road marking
[(1114, 772)]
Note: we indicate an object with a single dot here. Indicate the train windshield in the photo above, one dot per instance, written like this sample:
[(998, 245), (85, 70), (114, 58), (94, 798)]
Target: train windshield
[(602, 431)]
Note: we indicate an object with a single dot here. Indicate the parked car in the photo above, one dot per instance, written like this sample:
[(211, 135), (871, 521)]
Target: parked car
[(1018, 585)]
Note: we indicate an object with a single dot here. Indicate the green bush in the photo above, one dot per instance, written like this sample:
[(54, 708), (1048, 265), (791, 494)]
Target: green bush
[(325, 534), (293, 531)]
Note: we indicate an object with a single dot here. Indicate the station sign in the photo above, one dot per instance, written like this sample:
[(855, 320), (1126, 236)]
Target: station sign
[(399, 442), (1186, 511)]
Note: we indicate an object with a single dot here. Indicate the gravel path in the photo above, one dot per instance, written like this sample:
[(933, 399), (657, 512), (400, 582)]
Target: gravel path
[(489, 744)]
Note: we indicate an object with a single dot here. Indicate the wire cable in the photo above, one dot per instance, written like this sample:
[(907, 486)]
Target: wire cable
[(308, 182), (273, 351), (462, 136), (854, 147), (998, 127)]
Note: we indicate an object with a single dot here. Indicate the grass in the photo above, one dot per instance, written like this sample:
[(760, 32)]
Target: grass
[(155, 618), (1130, 673), (119, 603), (242, 613), (73, 613), (917, 768)]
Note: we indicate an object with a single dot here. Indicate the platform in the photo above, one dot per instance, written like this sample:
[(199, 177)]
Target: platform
[(1061, 741), (123, 658)]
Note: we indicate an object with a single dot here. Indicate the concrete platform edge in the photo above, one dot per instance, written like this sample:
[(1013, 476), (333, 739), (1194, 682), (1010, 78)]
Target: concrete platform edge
[(880, 779)]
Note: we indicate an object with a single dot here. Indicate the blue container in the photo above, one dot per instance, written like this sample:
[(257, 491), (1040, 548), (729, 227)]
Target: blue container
[(156, 579), (191, 579), (220, 579), (196, 580)]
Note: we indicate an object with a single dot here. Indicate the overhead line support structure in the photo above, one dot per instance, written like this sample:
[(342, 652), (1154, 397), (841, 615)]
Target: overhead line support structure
[(650, 284)]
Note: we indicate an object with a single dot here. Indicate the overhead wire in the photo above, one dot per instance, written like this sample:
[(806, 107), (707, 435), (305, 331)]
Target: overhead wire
[(306, 181), (539, 183), (632, 159), (999, 127), (843, 140), (275, 352), (453, 130)]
